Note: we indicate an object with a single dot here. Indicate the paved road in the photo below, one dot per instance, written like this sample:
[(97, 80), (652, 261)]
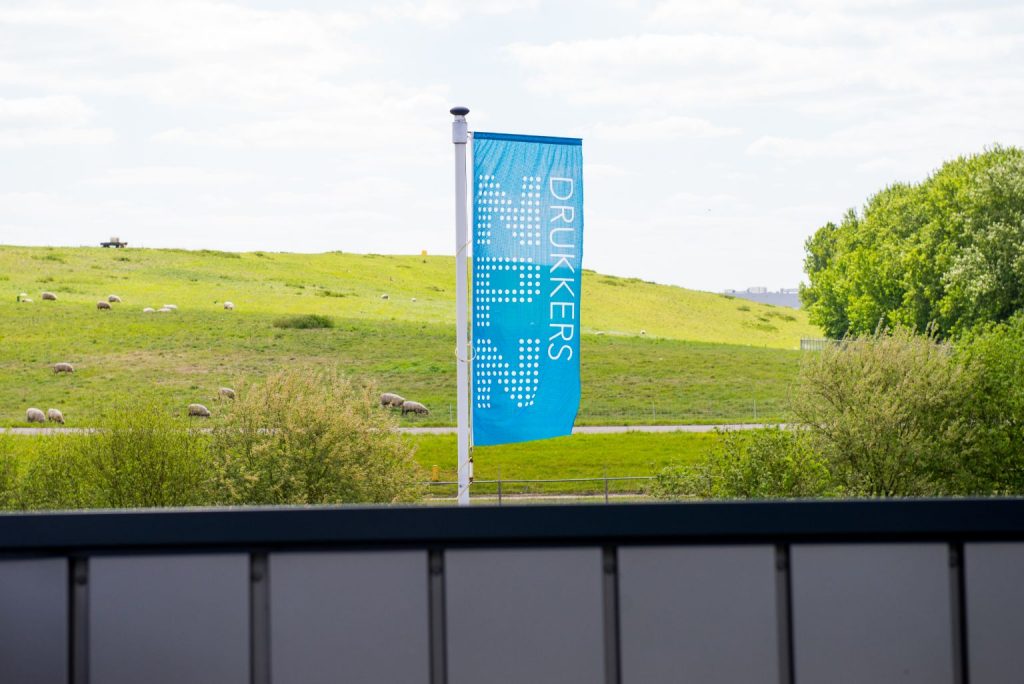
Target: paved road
[(583, 430), (610, 429)]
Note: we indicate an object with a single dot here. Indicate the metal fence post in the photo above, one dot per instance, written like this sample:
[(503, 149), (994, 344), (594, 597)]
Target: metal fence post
[(499, 485), (606, 484)]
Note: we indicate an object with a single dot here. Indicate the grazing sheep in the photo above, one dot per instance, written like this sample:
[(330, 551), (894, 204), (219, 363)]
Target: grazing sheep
[(172, 307), (414, 407), (114, 299), (55, 415), (103, 305), (384, 296), (198, 411), (149, 309), (26, 300), (226, 393), (34, 415), (229, 306), (164, 309), (63, 368), (390, 399), (22, 296), (643, 332), (414, 299), (49, 296)]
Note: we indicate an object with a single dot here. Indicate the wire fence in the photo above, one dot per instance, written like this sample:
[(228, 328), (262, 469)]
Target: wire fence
[(512, 490)]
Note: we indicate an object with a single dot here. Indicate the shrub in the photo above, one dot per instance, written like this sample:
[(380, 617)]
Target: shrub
[(305, 321), (143, 457), (993, 361), (756, 464), (8, 473), (53, 475), (311, 437), (886, 412)]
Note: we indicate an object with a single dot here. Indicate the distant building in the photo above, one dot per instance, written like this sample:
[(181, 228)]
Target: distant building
[(787, 296)]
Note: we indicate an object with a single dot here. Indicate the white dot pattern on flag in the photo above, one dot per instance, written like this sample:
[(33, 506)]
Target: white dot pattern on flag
[(519, 381)]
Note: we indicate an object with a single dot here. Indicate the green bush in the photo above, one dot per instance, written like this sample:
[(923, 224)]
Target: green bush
[(993, 362), (311, 437), (756, 464), (304, 322), (52, 474), (8, 473), (886, 411), (142, 457)]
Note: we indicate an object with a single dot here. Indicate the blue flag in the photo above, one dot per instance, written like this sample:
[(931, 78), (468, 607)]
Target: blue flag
[(527, 267)]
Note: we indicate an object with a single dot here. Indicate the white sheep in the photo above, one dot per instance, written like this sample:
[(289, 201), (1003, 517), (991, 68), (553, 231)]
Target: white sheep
[(55, 415), (34, 415), (149, 309), (414, 407), (391, 399), (643, 332), (172, 307), (114, 299), (384, 296), (229, 306), (164, 309), (103, 305), (63, 368), (414, 299), (26, 300), (49, 296), (198, 410), (226, 393)]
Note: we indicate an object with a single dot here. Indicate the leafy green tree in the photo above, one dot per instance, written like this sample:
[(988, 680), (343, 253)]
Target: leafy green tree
[(948, 252)]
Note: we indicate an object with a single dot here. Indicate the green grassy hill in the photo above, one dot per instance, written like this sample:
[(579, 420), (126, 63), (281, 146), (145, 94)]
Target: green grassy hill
[(704, 358)]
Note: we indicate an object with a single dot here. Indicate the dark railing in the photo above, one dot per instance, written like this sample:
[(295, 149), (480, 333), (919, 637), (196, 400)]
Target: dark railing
[(809, 591)]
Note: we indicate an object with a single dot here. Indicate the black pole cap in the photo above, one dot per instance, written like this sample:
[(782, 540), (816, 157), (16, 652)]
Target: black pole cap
[(459, 111)]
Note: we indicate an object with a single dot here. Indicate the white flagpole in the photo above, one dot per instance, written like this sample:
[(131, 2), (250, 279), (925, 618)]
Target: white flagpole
[(460, 136)]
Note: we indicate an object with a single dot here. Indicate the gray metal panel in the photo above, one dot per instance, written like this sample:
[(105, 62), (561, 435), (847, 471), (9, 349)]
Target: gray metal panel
[(698, 614), (34, 621), (872, 613), (169, 619), (349, 617), (524, 616), (994, 586)]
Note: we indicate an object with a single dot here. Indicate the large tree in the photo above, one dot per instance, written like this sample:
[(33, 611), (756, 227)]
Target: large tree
[(947, 252)]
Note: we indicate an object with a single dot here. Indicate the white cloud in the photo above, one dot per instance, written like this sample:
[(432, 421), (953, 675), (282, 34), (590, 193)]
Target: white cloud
[(167, 175), (303, 124), (661, 130), (49, 120), (63, 110)]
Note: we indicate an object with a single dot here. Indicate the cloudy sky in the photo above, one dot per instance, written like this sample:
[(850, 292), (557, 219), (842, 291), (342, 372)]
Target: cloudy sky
[(717, 135)]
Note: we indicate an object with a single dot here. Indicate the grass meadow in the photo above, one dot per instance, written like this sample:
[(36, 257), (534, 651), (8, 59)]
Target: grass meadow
[(704, 358)]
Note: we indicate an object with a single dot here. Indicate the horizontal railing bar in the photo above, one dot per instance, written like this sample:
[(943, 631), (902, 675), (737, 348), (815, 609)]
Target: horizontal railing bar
[(567, 479)]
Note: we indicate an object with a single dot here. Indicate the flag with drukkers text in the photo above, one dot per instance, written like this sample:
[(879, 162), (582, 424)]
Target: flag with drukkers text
[(527, 261)]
